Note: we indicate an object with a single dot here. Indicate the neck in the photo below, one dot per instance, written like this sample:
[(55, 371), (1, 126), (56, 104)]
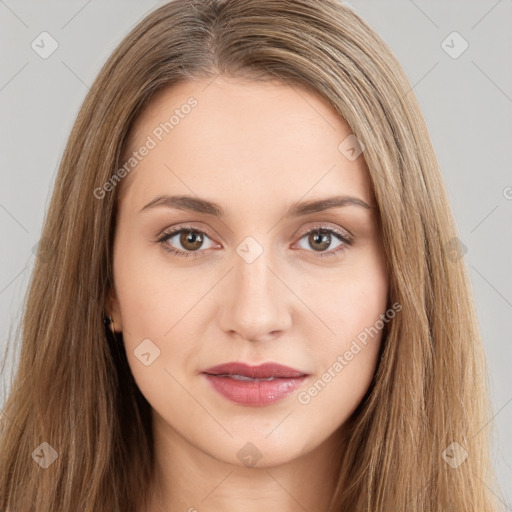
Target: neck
[(188, 478)]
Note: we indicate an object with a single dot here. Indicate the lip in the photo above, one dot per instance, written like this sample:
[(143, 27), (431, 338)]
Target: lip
[(248, 391), (262, 371)]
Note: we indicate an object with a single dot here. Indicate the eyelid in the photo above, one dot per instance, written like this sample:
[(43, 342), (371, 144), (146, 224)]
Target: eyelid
[(316, 226), (173, 230)]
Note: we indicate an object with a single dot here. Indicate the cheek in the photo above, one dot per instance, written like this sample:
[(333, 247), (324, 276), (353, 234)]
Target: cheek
[(351, 299), (157, 313), (355, 344), (144, 293), (353, 305)]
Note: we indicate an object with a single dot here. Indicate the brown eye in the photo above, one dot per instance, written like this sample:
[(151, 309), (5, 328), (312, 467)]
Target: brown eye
[(186, 241), (319, 240), (191, 240)]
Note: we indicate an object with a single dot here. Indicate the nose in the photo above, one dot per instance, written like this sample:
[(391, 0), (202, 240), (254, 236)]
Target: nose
[(256, 303)]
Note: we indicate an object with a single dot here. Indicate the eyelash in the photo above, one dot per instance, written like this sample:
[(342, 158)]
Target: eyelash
[(344, 238)]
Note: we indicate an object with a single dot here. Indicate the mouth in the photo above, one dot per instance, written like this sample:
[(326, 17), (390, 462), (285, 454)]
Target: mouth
[(254, 385)]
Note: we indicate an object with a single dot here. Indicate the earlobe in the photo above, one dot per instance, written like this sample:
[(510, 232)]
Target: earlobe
[(112, 314), (113, 325), (109, 322)]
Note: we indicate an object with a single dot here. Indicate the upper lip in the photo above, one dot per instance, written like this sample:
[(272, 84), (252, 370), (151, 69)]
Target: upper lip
[(262, 371)]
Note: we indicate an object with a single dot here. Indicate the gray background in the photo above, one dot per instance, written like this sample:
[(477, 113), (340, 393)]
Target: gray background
[(467, 103)]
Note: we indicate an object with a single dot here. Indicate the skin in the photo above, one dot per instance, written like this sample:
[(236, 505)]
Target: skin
[(254, 148)]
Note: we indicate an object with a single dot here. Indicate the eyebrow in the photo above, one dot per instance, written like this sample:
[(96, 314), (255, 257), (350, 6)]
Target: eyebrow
[(297, 209)]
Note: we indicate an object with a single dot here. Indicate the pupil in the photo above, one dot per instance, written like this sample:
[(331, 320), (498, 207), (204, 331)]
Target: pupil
[(322, 238), (191, 240)]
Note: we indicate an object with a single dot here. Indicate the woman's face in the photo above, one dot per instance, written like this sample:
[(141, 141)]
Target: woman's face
[(251, 281)]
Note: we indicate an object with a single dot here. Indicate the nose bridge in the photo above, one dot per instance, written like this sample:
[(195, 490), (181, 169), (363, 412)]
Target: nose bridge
[(252, 275), (255, 305)]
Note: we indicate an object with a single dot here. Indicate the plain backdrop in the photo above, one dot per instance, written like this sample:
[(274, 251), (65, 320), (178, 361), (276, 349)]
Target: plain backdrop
[(457, 55)]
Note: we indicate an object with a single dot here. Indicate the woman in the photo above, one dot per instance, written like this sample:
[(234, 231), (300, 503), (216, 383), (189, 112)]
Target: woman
[(248, 297)]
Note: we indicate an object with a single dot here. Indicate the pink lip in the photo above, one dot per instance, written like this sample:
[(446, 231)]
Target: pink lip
[(254, 392)]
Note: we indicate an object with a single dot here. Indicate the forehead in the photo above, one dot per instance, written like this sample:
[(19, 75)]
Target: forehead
[(241, 137)]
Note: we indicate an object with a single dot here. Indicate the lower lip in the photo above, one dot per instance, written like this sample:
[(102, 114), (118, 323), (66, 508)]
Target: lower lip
[(254, 393)]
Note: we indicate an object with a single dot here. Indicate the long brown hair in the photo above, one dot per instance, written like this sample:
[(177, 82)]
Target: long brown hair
[(73, 388)]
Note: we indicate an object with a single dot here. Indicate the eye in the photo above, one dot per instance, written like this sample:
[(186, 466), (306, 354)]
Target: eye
[(321, 238), (189, 241)]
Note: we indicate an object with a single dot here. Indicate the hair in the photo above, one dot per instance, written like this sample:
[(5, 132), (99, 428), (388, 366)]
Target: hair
[(73, 387)]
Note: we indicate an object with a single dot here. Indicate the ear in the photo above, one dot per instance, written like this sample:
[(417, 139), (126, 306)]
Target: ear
[(113, 311)]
